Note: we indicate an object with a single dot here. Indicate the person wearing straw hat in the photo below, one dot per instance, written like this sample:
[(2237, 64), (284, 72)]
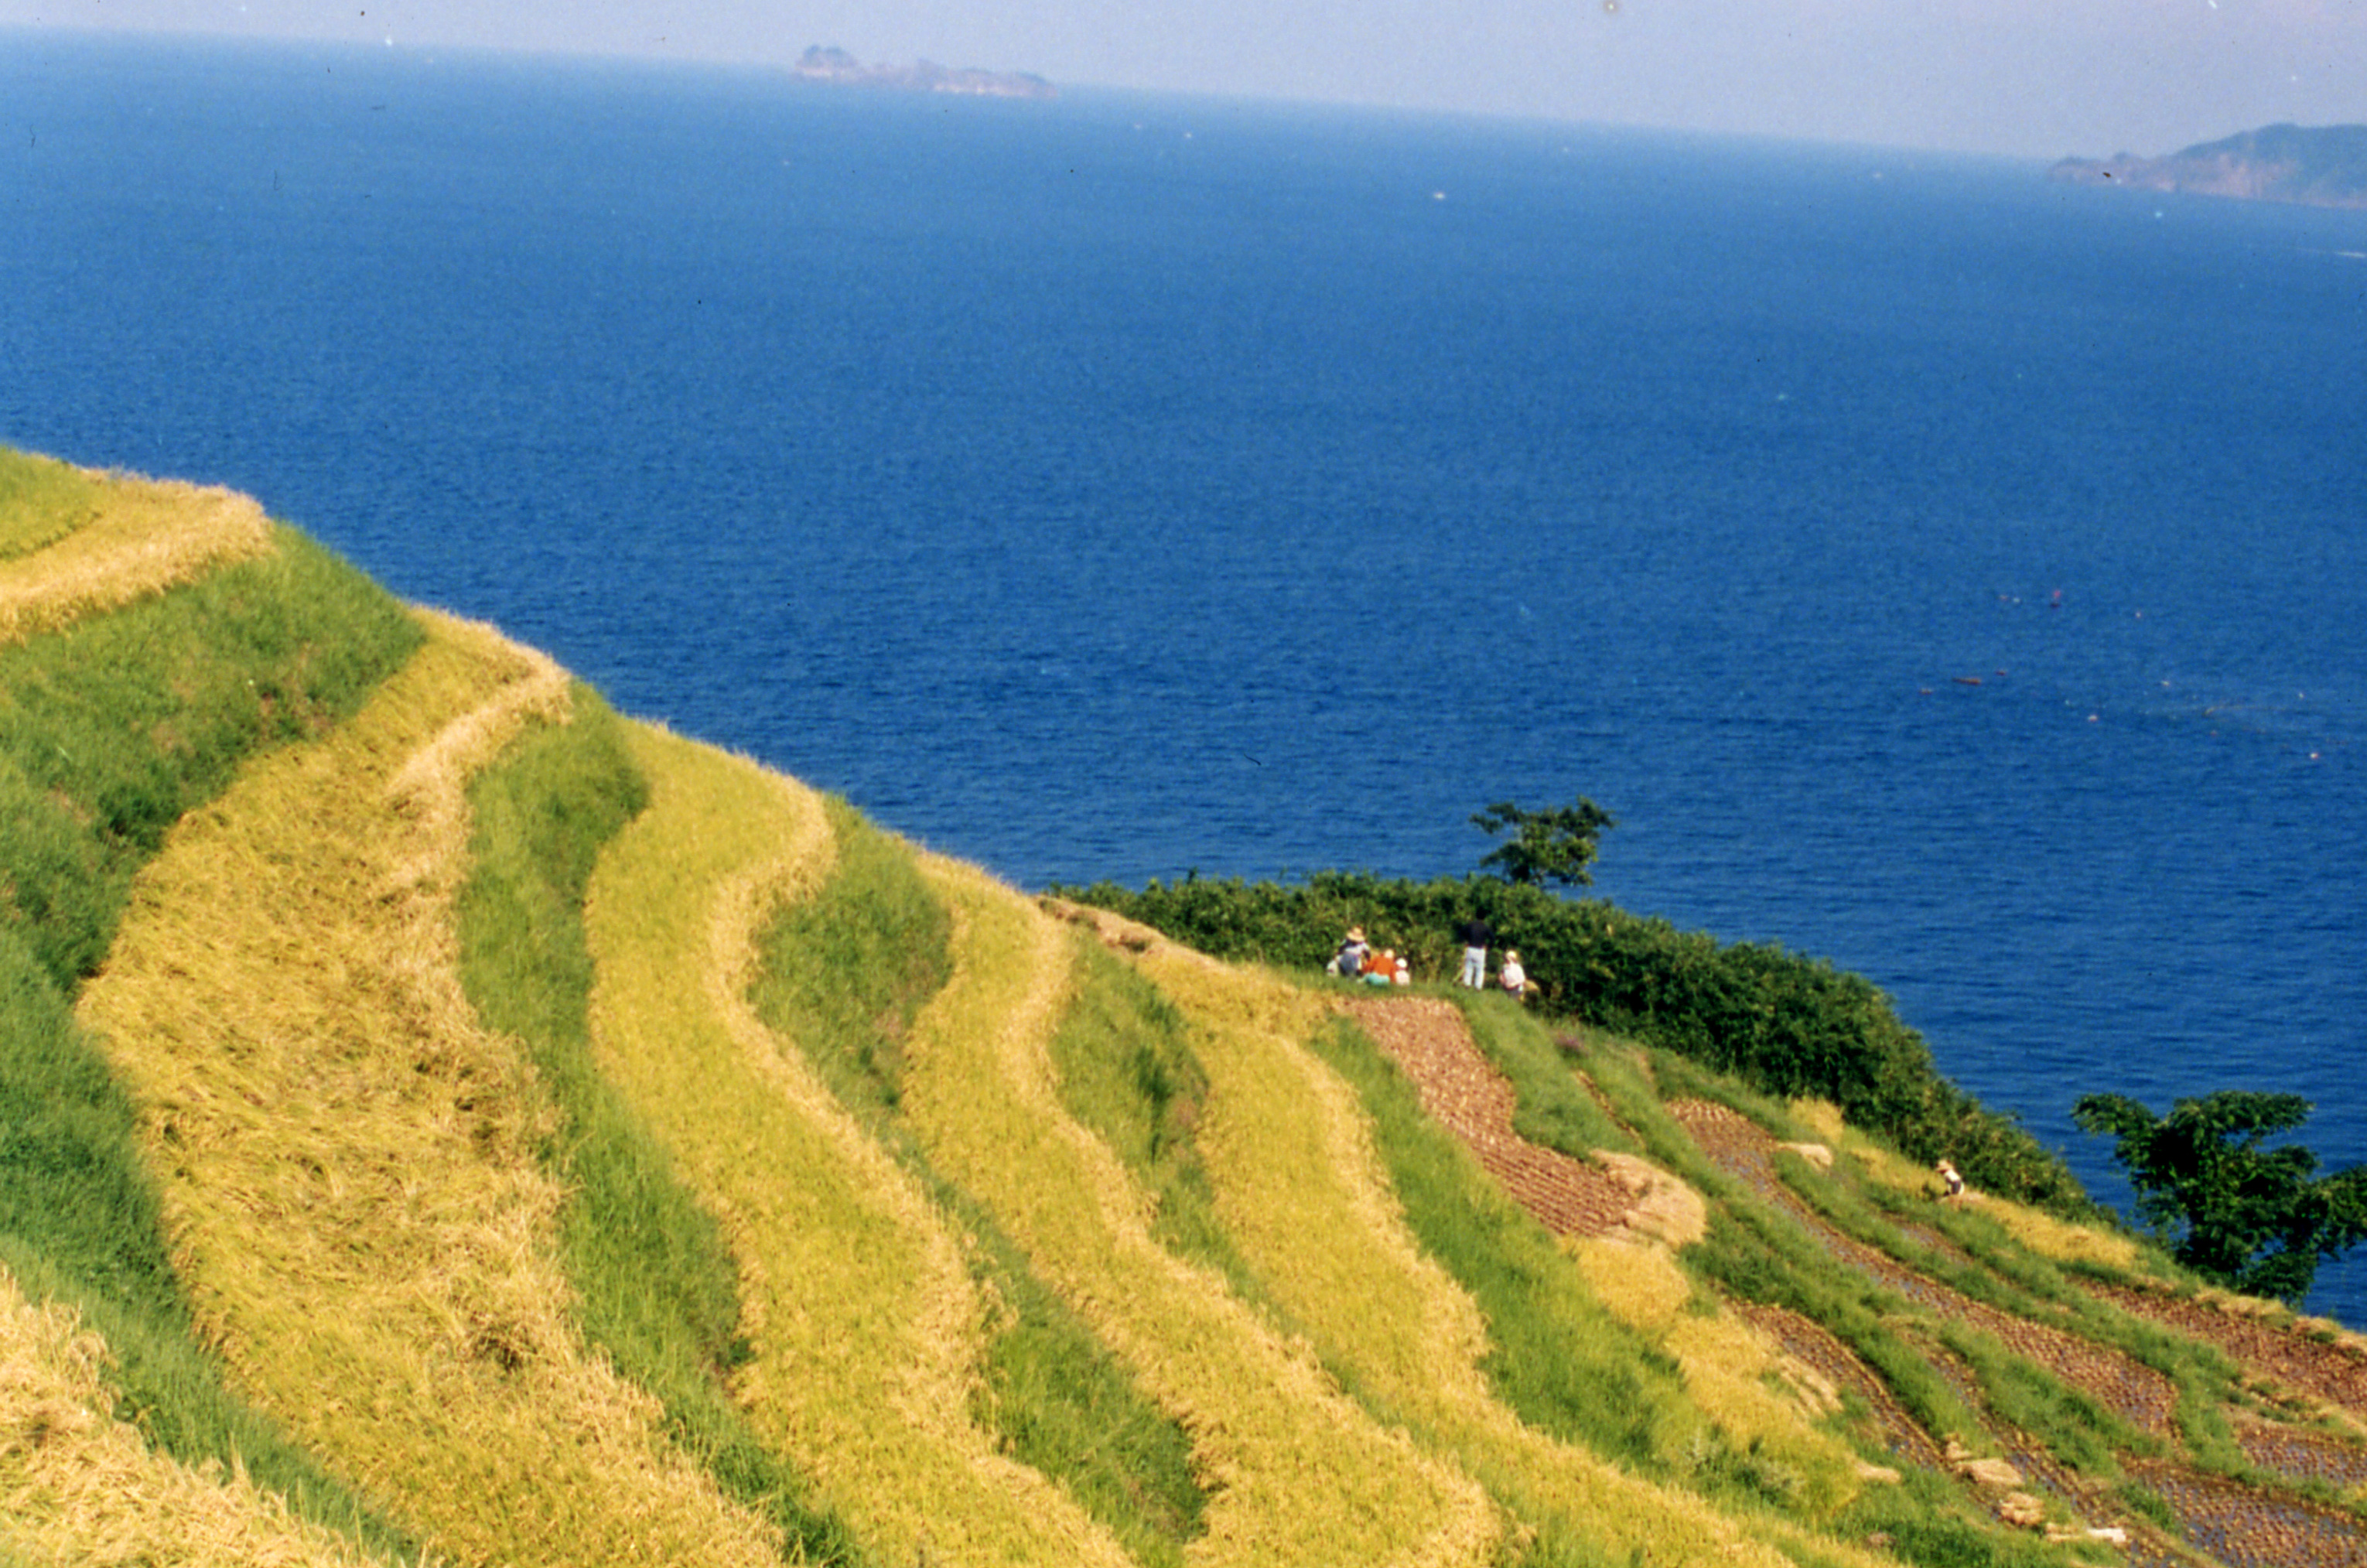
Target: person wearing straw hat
[(1349, 961)]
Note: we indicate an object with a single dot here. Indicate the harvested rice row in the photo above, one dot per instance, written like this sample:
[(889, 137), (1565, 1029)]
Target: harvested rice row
[(347, 1157), (1299, 1473), (865, 1325), (1306, 1198), (148, 535), (79, 1487)]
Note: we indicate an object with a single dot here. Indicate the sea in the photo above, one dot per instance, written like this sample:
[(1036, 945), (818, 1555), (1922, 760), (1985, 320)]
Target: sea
[(1951, 574)]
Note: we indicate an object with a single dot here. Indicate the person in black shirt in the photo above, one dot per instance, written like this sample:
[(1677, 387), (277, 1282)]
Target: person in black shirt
[(1476, 936)]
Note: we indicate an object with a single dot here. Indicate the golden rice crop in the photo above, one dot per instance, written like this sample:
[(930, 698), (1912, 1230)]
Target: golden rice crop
[(347, 1158), (866, 1325), (1299, 1474), (1733, 1371), (1306, 1197), (147, 535), (79, 1487)]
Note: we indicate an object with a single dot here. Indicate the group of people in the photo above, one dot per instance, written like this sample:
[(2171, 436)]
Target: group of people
[(1359, 959)]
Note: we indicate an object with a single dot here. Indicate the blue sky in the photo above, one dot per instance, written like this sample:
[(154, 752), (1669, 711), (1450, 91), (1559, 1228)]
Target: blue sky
[(2038, 78)]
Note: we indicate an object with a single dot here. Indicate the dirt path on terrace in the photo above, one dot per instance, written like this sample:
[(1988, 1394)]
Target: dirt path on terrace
[(1461, 1090)]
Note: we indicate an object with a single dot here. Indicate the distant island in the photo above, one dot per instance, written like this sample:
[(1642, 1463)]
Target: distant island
[(840, 68), (2316, 167)]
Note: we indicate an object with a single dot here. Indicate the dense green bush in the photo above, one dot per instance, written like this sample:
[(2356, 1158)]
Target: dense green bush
[(2255, 1218), (1786, 1024)]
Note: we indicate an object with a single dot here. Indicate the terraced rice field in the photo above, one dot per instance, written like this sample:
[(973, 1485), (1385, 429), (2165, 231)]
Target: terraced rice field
[(139, 538), (2329, 1366), (366, 1217), (867, 1326), (2230, 1521), (346, 1155), (1300, 1472), (2138, 1394), (2223, 1519), (1307, 1200)]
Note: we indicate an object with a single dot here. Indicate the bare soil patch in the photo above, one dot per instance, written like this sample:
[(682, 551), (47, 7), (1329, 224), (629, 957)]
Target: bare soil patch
[(1461, 1090)]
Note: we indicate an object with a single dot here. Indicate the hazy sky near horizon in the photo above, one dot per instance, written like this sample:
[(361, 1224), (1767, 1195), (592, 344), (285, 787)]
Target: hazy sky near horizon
[(2038, 78)]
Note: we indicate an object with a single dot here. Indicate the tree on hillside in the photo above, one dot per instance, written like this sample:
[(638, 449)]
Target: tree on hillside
[(2257, 1219), (1554, 845)]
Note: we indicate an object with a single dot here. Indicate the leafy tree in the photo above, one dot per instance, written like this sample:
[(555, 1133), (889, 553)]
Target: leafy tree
[(1554, 845), (2258, 1219)]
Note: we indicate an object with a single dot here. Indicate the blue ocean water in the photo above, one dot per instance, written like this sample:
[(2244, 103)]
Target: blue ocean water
[(1127, 485)]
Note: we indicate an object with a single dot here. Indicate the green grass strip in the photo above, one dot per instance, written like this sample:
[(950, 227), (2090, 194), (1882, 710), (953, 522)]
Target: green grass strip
[(41, 501), (114, 728), (659, 1288), (1551, 1107), (1127, 1071), (845, 972)]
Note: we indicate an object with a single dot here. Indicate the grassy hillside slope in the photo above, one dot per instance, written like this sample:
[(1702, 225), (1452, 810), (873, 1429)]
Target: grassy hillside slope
[(442, 1121)]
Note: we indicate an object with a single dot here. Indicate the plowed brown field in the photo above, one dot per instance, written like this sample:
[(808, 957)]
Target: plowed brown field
[(1463, 1092)]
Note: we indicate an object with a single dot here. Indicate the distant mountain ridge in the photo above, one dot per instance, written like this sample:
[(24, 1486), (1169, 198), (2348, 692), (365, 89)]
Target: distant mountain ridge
[(836, 66), (2315, 166)]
